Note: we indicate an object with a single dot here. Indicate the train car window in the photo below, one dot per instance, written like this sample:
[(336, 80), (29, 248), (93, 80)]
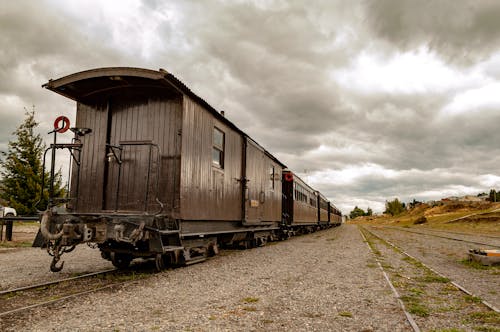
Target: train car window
[(218, 148)]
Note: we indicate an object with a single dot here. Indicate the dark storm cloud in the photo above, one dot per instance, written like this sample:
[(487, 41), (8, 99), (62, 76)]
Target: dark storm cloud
[(270, 65), (277, 58), (37, 43), (461, 31)]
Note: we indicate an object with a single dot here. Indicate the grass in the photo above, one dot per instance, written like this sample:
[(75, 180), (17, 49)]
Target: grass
[(475, 265), (486, 329), (433, 278), (14, 244), (417, 291), (250, 300), (345, 314), (484, 317), (387, 266), (472, 299), (418, 309), (413, 262)]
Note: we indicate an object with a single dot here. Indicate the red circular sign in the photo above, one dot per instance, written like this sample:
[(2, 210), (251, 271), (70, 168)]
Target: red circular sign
[(61, 127)]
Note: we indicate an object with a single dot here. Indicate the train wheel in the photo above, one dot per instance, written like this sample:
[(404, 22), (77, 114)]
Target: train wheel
[(212, 250), (121, 261), (160, 262)]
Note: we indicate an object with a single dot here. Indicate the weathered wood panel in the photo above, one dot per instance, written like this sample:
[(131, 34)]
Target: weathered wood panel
[(207, 191), (91, 175), (147, 170), (115, 121), (264, 186)]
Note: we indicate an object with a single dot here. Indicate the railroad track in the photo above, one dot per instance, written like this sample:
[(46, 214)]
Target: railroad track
[(421, 232), (18, 300), (401, 277), (463, 289), (409, 317)]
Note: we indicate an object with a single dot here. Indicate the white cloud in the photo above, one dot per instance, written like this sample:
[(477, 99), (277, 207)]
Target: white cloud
[(481, 99), (351, 174), (418, 71), (489, 180)]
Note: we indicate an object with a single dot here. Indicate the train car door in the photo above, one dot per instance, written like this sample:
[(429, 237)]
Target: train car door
[(256, 176), (131, 158)]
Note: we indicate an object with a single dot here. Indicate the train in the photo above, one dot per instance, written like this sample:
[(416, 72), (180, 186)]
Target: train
[(158, 173)]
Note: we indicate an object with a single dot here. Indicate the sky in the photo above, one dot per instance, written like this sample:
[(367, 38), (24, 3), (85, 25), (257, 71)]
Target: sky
[(365, 100)]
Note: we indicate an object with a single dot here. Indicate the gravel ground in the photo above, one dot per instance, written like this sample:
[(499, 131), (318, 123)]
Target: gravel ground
[(445, 256), (27, 266), (493, 241), (435, 304), (317, 282)]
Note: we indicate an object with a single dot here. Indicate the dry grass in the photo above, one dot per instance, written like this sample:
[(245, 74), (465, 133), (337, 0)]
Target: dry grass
[(473, 217)]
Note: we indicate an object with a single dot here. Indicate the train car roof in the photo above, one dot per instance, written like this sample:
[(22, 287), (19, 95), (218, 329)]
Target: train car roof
[(85, 85)]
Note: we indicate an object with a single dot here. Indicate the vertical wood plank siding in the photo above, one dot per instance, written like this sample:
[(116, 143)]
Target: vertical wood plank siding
[(259, 191), (90, 189), (208, 192), (132, 119)]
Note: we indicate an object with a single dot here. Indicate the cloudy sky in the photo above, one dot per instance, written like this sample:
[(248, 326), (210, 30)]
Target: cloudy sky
[(366, 100)]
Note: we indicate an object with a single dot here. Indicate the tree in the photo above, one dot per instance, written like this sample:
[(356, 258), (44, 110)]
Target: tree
[(22, 170), (493, 195), (356, 212), (369, 212), (394, 207)]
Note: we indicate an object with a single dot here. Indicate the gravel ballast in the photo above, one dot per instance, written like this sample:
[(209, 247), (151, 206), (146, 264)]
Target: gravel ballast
[(447, 257), (316, 282), (28, 266)]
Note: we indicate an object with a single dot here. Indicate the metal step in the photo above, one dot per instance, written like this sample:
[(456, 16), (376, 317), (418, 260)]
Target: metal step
[(196, 260)]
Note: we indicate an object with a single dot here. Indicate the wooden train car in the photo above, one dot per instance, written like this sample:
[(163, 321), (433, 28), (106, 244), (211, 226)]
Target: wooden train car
[(304, 208), (158, 172)]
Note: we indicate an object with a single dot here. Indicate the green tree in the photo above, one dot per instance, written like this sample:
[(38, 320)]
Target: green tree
[(494, 195), (356, 212), (394, 207), (369, 212), (21, 170)]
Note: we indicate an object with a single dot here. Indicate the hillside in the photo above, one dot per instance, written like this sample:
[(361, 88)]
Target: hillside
[(480, 217)]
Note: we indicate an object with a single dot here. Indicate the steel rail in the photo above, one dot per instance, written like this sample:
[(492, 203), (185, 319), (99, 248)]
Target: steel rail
[(452, 232), (62, 298), (49, 283), (459, 233), (441, 236), (409, 318), (460, 287)]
